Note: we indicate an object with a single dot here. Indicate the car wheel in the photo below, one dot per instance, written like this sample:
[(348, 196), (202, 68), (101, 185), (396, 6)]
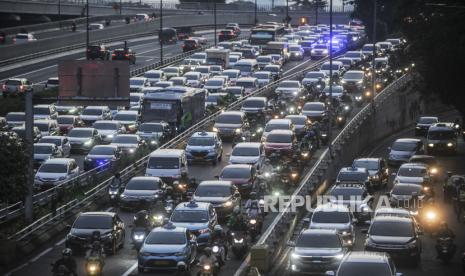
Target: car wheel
[(113, 248), (215, 161)]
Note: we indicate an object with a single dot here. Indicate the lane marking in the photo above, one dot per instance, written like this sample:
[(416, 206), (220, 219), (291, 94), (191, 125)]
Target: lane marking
[(41, 254), (16, 269), (109, 209), (129, 271), (61, 242)]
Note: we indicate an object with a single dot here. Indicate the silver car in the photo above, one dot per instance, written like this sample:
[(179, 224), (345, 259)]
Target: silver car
[(61, 142), (54, 172)]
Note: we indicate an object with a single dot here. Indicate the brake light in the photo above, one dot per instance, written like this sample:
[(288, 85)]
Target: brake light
[(113, 55), (21, 87), (14, 39), (4, 87), (126, 55)]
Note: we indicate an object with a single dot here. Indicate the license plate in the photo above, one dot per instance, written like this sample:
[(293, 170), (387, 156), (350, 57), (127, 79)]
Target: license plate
[(198, 157), (161, 262)]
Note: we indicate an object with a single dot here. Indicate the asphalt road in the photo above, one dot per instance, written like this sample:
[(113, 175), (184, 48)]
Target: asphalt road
[(429, 265)]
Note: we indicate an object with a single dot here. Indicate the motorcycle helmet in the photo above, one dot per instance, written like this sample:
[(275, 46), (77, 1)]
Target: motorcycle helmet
[(67, 252), (218, 230), (117, 175), (181, 266), (253, 195), (141, 215), (207, 251)]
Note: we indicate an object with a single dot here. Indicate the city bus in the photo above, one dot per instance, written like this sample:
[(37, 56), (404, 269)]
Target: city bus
[(262, 34)]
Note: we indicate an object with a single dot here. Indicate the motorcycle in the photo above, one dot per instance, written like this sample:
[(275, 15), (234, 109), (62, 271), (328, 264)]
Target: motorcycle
[(219, 252), (430, 221), (239, 244), (138, 236), (113, 193), (94, 266), (206, 270), (254, 226), (61, 270), (445, 248), (340, 121), (157, 219), (358, 100)]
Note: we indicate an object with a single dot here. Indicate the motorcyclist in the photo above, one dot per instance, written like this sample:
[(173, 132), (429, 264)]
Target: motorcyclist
[(345, 98), (96, 248), (220, 237), (459, 199), (323, 97), (236, 222), (73, 26), (252, 207), (141, 219), (316, 127), (320, 84), (183, 269), (444, 231), (209, 259), (66, 260), (116, 181)]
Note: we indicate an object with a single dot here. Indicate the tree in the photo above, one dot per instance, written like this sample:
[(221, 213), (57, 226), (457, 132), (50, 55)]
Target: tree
[(12, 175), (436, 40)]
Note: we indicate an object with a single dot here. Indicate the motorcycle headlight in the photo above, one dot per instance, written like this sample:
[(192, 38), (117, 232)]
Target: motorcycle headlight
[(294, 175), (294, 256), (346, 107), (260, 130), (433, 171), (450, 145), (340, 119), (113, 192), (431, 145), (253, 221), (239, 240), (139, 237), (153, 142), (158, 217), (215, 249), (206, 267), (238, 130), (228, 204), (367, 93), (430, 215), (132, 150)]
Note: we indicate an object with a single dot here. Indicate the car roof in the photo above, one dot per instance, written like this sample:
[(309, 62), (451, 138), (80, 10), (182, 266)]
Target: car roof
[(111, 214), (390, 219), (167, 153), (408, 140), (413, 165), (441, 126), (163, 229), (95, 107), (238, 113), (353, 170), (215, 183), (318, 232), (131, 112), (42, 105), (365, 257), (153, 178), (193, 205), (256, 99), (354, 71), (249, 145), (53, 137), (105, 146), (281, 131), (238, 166), (279, 121), (59, 161), (368, 159), (429, 117), (392, 210), (45, 144), (204, 134), (334, 207)]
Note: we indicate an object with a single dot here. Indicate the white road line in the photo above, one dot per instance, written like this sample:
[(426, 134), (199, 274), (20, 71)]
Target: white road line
[(16, 269), (60, 242), (109, 209), (41, 254), (129, 271)]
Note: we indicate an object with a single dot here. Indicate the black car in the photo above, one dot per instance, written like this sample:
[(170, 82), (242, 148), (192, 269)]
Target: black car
[(358, 263), (142, 188), (395, 235), (110, 226), (377, 168), (168, 36), (355, 197), (101, 155), (190, 45), (184, 32), (402, 193), (423, 124), (98, 52), (124, 54)]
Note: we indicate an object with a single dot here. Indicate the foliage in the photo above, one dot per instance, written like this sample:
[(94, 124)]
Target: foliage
[(12, 175), (311, 3)]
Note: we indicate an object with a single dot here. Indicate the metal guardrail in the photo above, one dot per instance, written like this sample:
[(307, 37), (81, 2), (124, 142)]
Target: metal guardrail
[(273, 235)]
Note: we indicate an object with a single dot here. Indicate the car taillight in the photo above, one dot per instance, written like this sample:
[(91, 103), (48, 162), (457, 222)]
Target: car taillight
[(126, 55), (4, 87), (113, 55), (14, 39), (21, 87)]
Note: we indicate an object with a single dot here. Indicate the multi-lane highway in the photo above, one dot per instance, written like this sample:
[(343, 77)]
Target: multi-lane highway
[(429, 265)]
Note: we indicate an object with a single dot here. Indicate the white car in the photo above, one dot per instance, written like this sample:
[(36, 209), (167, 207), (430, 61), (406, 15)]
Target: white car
[(413, 173), (154, 76), (95, 26), (233, 75), (108, 129), (314, 76), (194, 79), (314, 110), (214, 85), (273, 124), (263, 77), (91, 114), (319, 51), (247, 153), (289, 89), (54, 172), (135, 99), (136, 84), (23, 38)]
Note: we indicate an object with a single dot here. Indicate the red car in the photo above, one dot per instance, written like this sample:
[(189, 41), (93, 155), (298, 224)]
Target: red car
[(226, 35), (68, 122), (280, 141), (241, 175)]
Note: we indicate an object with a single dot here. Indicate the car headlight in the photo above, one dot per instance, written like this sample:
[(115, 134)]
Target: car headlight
[(153, 142), (215, 249), (253, 221), (139, 237), (228, 204), (339, 256), (360, 82), (144, 254), (325, 51), (431, 145), (88, 143), (215, 129), (450, 144), (412, 244), (365, 209), (132, 150), (178, 254), (294, 175), (343, 81), (294, 256), (239, 240), (344, 233), (238, 130), (62, 178)]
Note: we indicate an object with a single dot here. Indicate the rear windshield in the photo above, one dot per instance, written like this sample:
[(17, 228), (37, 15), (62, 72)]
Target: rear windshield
[(65, 120), (91, 111), (318, 241), (279, 138), (125, 139), (42, 110), (404, 146), (229, 119), (242, 151), (236, 173), (411, 172), (93, 222), (15, 117), (406, 189), (151, 128), (392, 229), (352, 176), (329, 216), (163, 163), (270, 127), (42, 149), (102, 151), (143, 184), (166, 238), (80, 133), (425, 120), (253, 103), (213, 191), (105, 126)]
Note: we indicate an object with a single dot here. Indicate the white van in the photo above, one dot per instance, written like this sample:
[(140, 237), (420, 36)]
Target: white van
[(246, 66), (168, 164)]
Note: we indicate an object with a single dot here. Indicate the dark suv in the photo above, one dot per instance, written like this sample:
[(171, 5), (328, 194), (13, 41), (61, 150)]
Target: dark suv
[(377, 169), (98, 52), (110, 226), (366, 263), (190, 45), (124, 54)]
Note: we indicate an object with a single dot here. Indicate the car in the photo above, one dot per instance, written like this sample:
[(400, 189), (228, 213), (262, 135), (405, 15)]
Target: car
[(124, 54), (275, 70), (101, 155), (243, 176), (296, 52), (334, 217), (198, 217), (22, 38), (16, 86), (247, 153), (301, 124), (423, 123), (54, 172), (142, 17), (315, 111), (367, 49), (68, 109), (246, 66), (90, 114), (47, 127), (154, 76), (250, 84), (255, 106), (21, 132), (215, 99), (171, 71), (83, 139), (190, 45), (129, 119), (233, 59), (68, 122), (230, 123), (319, 51), (347, 62), (223, 195), (337, 68), (168, 164), (14, 119), (199, 57), (3, 124), (280, 141), (316, 251), (110, 225), (354, 81), (415, 173), (357, 263), (95, 26), (278, 60), (402, 149), (337, 91), (399, 237), (442, 138), (165, 247), (108, 129), (141, 188), (236, 91), (232, 74), (194, 79), (179, 81), (99, 51), (263, 78), (136, 99), (313, 77), (394, 212), (226, 35), (155, 134), (45, 112), (377, 168), (284, 124), (204, 70), (52, 83), (356, 197), (401, 195), (45, 151), (289, 89), (188, 65), (356, 56), (136, 84), (354, 174), (263, 61), (129, 144), (433, 164), (204, 146), (160, 84), (214, 85), (61, 142)]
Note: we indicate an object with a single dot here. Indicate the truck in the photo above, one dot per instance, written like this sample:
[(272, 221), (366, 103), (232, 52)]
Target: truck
[(172, 104), (218, 56)]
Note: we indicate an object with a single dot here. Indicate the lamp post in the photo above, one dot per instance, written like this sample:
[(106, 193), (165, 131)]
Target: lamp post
[(255, 21), (373, 73), (330, 113), (29, 124), (287, 11), (214, 18), (59, 13), (120, 7), (87, 24), (160, 38)]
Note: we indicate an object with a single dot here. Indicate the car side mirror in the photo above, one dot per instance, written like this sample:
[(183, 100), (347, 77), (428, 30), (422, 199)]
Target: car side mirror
[(388, 194), (291, 243), (217, 177), (68, 227)]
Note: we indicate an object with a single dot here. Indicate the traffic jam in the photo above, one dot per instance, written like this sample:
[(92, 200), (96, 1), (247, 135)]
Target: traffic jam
[(198, 208)]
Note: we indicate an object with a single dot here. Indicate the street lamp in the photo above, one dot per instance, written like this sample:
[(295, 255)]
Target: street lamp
[(87, 25), (373, 73), (160, 38), (214, 16), (330, 113)]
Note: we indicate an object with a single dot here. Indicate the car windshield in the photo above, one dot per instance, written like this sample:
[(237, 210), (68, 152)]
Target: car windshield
[(318, 241), (163, 163), (314, 75), (229, 119), (42, 149), (411, 172), (243, 173), (352, 176), (331, 216), (289, 84), (53, 168), (245, 151), (364, 268), (367, 48), (314, 107), (204, 70), (102, 151), (404, 146), (213, 191), (42, 126), (170, 70), (352, 55), (152, 75), (125, 139), (270, 127), (134, 98), (261, 75), (201, 141), (42, 110), (319, 47), (253, 103), (105, 125), (264, 59), (230, 74), (353, 75), (233, 58), (214, 82), (441, 135), (426, 120), (93, 222), (56, 141), (15, 117), (143, 184), (336, 90), (392, 229), (295, 48), (136, 82), (65, 120), (151, 128), (279, 138), (189, 216), (198, 56), (125, 117), (243, 67), (347, 193), (273, 69), (246, 84), (406, 190), (298, 121), (80, 133), (235, 91), (13, 82), (92, 112), (327, 67), (167, 238), (367, 164)]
